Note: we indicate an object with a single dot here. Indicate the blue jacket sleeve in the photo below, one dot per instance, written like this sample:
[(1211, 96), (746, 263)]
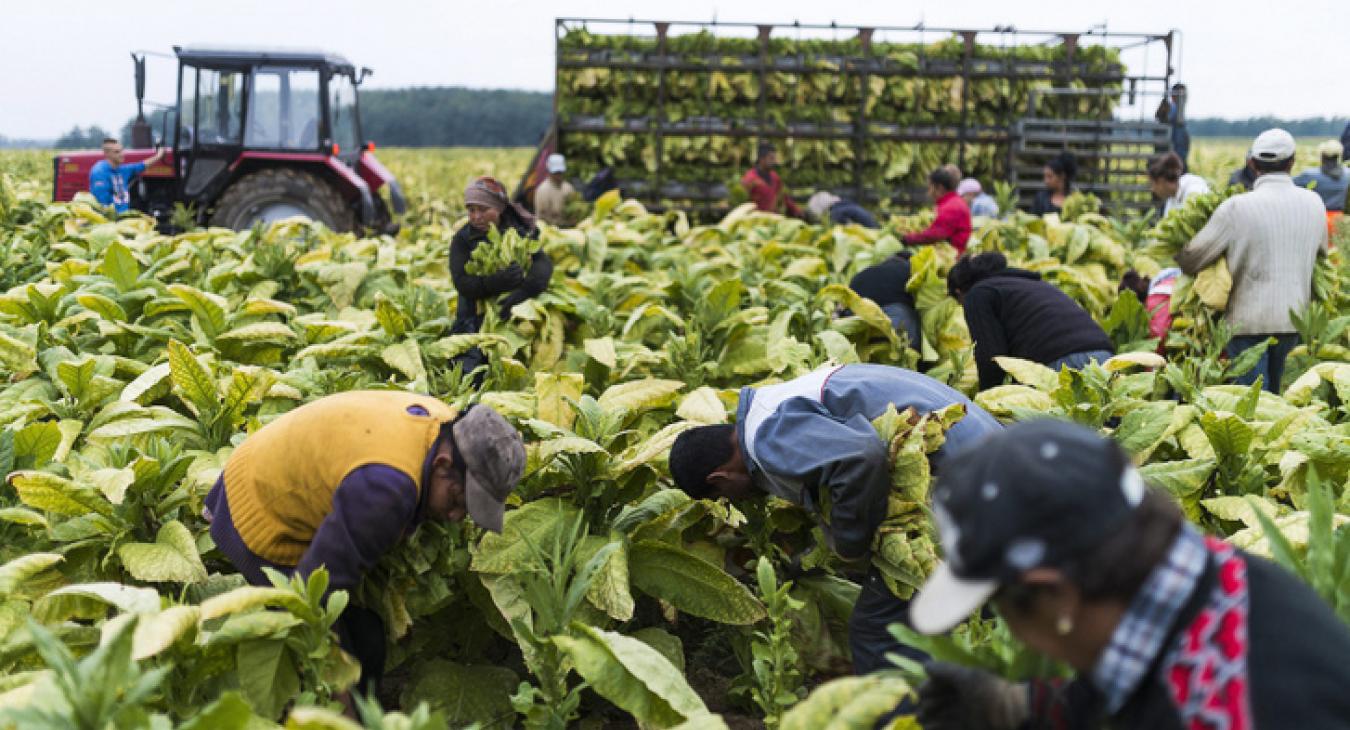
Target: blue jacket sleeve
[(845, 459), (372, 508), (131, 169), (100, 184)]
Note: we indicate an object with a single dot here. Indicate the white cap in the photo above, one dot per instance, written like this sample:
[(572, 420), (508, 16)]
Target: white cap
[(946, 600), (1273, 145), (1330, 148), (968, 186), (556, 163)]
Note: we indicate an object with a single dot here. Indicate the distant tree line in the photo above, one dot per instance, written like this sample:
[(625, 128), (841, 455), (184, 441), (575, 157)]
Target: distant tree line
[(455, 117), (79, 139), (1330, 127), (440, 116)]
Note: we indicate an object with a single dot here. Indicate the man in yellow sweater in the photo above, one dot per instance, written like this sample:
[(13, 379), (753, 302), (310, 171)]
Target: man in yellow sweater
[(339, 481)]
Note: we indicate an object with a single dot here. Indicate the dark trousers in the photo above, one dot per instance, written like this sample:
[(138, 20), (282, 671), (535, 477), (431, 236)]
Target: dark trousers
[(1271, 365), (868, 639), (361, 633)]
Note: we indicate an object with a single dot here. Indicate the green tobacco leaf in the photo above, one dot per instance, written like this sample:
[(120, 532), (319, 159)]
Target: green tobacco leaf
[(93, 600), (1228, 434), (247, 598), (703, 406), (609, 590), (466, 694), (690, 584), (267, 675), (1143, 426), (37, 443), (637, 396), (156, 633), (405, 358), (850, 703), (1184, 478), (602, 351), (1029, 373), (49, 492), (207, 308), (120, 265), (19, 571), (259, 332), (656, 447), (632, 675), (172, 557), (147, 386), (552, 396), (229, 712), (191, 378), (540, 522)]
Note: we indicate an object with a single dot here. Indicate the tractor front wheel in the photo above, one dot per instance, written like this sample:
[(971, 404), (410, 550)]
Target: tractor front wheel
[(278, 193)]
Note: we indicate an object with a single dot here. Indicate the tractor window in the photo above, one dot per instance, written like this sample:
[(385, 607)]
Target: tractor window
[(283, 110), (342, 107), (219, 103)]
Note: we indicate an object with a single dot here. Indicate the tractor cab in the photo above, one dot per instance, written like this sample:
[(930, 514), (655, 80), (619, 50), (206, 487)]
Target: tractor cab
[(258, 135)]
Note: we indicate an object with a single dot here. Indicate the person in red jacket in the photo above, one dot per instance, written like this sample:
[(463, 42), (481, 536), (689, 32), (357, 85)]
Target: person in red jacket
[(765, 187), (953, 215)]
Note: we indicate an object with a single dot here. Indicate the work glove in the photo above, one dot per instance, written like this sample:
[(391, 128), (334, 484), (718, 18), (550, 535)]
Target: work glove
[(507, 279), (960, 698)]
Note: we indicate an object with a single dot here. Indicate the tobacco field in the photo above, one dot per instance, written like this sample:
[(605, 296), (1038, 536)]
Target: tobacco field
[(134, 362)]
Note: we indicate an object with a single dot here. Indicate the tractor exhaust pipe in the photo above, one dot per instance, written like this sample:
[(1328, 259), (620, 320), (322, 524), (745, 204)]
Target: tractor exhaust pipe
[(142, 136)]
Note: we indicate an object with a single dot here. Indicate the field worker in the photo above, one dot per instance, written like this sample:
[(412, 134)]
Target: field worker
[(1170, 184), (110, 179), (340, 481), (764, 186), (981, 204), (952, 222), (1166, 629), (1245, 175), (826, 206), (488, 206), (1330, 181), (1156, 296), (1172, 112), (1272, 237), (1058, 175), (884, 283), (551, 195), (1012, 312), (811, 439)]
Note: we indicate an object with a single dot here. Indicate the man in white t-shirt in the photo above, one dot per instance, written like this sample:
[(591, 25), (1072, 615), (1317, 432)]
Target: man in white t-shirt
[(1170, 184)]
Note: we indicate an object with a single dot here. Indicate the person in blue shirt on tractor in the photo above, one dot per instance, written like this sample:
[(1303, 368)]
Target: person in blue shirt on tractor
[(110, 180), (810, 441)]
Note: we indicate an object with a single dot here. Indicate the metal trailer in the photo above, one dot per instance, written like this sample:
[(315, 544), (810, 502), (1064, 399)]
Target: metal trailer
[(1112, 152)]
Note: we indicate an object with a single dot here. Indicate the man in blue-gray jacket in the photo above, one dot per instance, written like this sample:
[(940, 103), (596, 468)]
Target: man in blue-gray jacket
[(812, 439), (110, 180)]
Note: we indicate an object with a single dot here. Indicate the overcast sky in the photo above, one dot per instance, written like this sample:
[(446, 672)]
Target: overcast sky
[(65, 62)]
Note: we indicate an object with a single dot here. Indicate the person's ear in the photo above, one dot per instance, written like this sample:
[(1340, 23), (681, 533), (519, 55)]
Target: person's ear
[(1059, 595)]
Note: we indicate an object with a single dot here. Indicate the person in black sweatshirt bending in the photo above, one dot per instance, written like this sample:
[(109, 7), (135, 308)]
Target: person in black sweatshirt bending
[(1012, 312)]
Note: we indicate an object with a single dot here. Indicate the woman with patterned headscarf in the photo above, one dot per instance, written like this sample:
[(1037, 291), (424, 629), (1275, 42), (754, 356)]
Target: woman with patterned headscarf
[(488, 206)]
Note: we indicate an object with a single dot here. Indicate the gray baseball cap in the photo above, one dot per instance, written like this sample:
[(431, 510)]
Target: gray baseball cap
[(494, 460)]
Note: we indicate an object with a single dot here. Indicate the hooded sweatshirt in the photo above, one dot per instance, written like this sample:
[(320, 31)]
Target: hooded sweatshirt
[(1013, 313)]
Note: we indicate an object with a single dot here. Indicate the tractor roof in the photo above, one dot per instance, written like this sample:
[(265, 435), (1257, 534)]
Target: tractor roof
[(252, 55)]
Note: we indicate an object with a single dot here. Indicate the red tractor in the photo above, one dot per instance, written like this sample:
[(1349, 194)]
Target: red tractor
[(256, 136)]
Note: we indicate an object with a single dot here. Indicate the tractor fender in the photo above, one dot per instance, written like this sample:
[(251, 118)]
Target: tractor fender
[(377, 175), (345, 178)]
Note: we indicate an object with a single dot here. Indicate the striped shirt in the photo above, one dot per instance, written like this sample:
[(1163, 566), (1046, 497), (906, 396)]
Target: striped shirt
[(1272, 237)]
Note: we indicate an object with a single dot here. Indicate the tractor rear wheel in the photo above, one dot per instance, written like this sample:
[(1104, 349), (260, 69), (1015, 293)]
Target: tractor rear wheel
[(277, 193)]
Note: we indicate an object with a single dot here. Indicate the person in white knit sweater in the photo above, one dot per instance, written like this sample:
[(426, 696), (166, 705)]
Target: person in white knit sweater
[(1272, 237)]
